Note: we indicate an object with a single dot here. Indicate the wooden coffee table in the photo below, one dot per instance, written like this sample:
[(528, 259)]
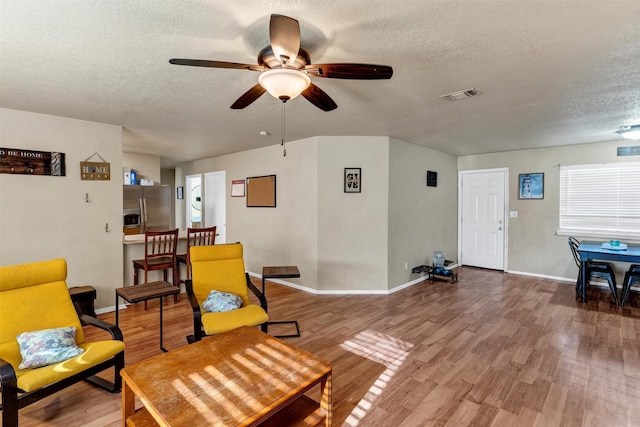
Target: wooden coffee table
[(239, 378)]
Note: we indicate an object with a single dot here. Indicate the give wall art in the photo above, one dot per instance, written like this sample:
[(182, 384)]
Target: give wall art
[(352, 180)]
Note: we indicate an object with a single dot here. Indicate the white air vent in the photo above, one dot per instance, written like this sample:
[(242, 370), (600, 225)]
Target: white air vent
[(462, 94)]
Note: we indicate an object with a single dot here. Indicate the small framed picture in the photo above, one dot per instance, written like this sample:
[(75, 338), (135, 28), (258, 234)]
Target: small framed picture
[(352, 180), (180, 192), (531, 186), (432, 179)]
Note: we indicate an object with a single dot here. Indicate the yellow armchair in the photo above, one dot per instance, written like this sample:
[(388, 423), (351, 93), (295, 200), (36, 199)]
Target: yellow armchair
[(35, 297), (221, 268)]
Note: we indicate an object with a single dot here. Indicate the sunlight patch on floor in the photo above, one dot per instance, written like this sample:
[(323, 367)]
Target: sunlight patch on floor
[(380, 348)]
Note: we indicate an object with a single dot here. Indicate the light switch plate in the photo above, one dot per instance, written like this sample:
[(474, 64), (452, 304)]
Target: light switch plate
[(513, 214)]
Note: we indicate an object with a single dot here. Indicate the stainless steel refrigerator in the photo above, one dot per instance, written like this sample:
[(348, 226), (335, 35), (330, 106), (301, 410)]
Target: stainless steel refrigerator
[(153, 204)]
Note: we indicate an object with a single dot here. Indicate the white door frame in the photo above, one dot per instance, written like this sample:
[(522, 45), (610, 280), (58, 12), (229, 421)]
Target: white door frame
[(506, 210), (214, 208)]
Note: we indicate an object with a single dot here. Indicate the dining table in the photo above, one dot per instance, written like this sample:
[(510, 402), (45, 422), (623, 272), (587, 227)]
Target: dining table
[(603, 251)]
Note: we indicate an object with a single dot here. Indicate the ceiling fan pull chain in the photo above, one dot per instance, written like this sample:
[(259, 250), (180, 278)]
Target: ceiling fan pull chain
[(282, 129)]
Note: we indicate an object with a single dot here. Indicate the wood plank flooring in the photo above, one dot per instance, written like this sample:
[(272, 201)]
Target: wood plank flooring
[(493, 349)]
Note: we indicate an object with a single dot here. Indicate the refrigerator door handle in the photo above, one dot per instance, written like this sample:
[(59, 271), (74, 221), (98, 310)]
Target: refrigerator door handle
[(143, 214)]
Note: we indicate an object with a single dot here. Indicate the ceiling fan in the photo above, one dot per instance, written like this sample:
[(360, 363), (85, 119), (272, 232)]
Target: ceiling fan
[(286, 67)]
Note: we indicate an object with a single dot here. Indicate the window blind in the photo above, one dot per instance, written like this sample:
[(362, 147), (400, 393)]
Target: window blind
[(600, 200)]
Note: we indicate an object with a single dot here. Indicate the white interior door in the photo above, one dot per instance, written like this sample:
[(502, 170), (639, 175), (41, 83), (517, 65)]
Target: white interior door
[(215, 204), (482, 218)]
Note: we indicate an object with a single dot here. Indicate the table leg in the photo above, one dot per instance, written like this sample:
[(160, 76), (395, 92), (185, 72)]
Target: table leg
[(584, 279), (128, 402), (117, 318), (326, 399), (161, 345), (265, 295)]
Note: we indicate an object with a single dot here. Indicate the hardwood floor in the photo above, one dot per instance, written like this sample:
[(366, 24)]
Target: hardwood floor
[(493, 349)]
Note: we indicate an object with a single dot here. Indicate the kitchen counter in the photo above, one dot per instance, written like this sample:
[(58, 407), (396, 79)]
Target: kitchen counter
[(135, 239)]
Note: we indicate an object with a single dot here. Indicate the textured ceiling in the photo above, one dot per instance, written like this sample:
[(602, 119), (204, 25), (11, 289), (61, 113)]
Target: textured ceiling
[(551, 72)]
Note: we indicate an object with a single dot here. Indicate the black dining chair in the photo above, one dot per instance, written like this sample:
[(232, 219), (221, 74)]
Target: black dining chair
[(600, 269), (632, 275)]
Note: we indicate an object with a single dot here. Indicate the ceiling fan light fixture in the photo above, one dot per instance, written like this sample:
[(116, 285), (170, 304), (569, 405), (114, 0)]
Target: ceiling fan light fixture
[(284, 84), (630, 132)]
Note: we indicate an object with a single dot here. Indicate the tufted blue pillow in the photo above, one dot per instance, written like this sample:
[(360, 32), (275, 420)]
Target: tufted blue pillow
[(48, 346), (221, 301)]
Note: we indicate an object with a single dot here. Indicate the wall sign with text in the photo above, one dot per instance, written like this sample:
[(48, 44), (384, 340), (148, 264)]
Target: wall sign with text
[(31, 162)]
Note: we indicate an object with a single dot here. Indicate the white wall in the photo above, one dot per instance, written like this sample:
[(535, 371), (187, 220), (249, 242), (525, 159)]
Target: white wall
[(286, 234), (533, 245), (421, 219), (342, 242), (45, 217), (352, 227), (146, 166)]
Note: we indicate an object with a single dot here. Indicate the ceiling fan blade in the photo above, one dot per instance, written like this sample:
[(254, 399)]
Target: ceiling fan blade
[(351, 71), (248, 97), (215, 64), (284, 33), (319, 98)]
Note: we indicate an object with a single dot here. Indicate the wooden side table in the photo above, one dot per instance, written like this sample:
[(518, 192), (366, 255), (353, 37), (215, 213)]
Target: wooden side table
[(144, 292), (84, 296), (281, 272)]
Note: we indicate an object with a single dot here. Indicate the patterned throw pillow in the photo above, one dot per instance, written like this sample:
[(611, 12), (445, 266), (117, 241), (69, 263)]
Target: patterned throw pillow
[(221, 301), (48, 346)]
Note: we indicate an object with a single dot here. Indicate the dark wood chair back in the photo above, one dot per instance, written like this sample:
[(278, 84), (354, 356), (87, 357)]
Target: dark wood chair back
[(198, 237), (159, 254), (160, 246)]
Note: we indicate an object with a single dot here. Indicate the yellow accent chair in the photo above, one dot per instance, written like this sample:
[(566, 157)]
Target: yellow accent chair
[(221, 268), (34, 297)]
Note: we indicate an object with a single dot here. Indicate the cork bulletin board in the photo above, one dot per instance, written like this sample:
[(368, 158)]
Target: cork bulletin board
[(261, 191)]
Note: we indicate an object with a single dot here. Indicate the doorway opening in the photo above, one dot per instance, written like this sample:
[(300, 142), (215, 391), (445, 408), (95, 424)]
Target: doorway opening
[(193, 198)]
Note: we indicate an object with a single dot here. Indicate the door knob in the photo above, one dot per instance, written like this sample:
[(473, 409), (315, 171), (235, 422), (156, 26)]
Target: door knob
[(499, 228)]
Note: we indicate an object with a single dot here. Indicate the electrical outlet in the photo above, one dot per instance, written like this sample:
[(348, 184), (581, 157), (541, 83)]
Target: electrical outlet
[(513, 214)]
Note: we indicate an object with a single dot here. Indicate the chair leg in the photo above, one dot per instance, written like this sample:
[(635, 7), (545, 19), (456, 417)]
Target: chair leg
[(579, 284), (146, 280), (176, 282), (629, 278), (614, 290), (626, 287)]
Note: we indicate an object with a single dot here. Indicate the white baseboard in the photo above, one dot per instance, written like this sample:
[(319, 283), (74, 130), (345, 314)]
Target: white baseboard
[(541, 276), (110, 309), (348, 291)]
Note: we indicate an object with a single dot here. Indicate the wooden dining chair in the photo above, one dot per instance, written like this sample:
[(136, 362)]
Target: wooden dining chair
[(196, 237), (159, 254)]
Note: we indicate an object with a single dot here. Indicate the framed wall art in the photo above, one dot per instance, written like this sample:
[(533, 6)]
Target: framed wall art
[(531, 186), (352, 180), (432, 179)]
